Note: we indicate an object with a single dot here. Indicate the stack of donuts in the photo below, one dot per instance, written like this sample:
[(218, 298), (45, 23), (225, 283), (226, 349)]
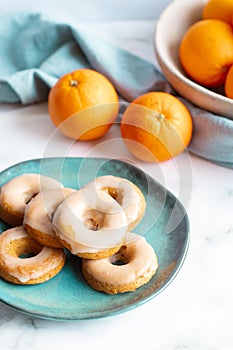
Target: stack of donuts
[(94, 223)]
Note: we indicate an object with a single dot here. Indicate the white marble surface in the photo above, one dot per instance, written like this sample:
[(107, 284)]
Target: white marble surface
[(195, 311)]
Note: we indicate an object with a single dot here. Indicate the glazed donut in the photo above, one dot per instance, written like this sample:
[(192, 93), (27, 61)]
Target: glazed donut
[(139, 265), (127, 194), (91, 224), (38, 213), (45, 263), (16, 193)]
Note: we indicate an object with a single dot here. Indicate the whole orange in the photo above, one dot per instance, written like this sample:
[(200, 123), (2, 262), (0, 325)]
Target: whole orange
[(83, 104), (206, 51), (156, 127), (218, 9)]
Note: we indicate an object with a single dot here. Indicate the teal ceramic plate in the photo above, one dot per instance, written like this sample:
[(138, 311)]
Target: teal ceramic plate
[(67, 296)]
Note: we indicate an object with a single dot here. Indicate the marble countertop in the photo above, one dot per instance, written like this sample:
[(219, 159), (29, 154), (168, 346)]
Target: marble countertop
[(195, 311)]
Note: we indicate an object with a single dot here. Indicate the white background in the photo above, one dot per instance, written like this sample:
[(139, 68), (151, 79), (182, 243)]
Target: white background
[(89, 10)]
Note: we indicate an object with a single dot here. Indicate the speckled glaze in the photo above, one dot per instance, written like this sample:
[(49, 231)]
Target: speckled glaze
[(67, 296)]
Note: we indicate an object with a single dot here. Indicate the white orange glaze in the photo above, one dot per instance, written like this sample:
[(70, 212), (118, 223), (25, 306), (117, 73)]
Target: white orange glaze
[(16, 193), (38, 214), (90, 222), (44, 265), (128, 195), (140, 264)]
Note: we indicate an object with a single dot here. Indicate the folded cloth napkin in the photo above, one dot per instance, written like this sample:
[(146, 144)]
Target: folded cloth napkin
[(35, 52)]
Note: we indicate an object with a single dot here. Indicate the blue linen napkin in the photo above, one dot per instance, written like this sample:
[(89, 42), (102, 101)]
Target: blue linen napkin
[(35, 52)]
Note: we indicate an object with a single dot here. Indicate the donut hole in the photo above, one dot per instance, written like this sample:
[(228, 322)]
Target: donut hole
[(120, 258), (115, 193), (24, 248), (93, 219), (28, 197), (26, 255)]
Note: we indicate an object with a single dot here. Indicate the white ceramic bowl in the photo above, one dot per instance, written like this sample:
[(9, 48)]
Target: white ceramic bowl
[(170, 28)]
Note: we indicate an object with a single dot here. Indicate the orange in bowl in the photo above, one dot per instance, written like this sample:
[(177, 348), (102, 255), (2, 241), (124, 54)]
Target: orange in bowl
[(83, 104), (167, 40), (156, 127), (218, 9), (229, 83), (206, 51)]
